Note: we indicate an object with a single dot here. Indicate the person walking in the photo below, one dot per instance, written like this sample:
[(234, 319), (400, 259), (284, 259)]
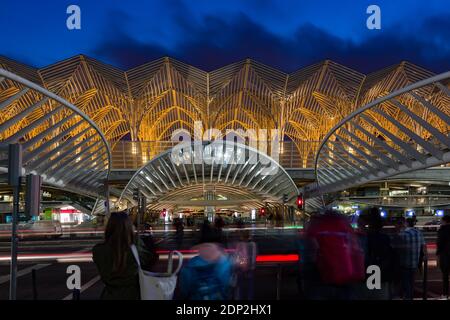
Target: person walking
[(207, 276), (336, 259), (115, 262), (379, 252), (443, 253), (245, 265), (409, 245)]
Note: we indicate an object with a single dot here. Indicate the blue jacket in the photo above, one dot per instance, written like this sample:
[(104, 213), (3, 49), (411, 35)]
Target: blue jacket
[(202, 280)]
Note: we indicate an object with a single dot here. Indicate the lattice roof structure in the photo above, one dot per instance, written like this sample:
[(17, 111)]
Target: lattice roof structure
[(59, 142), (151, 101)]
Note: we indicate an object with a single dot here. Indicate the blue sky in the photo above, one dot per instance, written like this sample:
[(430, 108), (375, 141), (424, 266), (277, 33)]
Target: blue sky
[(285, 34)]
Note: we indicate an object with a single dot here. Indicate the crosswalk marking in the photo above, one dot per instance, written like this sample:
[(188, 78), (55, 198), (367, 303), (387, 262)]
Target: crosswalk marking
[(83, 288), (25, 271)]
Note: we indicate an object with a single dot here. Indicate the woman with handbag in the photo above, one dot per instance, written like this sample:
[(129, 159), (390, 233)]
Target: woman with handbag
[(115, 262)]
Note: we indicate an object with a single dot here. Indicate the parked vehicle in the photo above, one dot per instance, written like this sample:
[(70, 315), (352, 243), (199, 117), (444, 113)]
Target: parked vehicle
[(35, 229)]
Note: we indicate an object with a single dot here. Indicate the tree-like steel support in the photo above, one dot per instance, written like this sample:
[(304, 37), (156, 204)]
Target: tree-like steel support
[(403, 131), (59, 142)]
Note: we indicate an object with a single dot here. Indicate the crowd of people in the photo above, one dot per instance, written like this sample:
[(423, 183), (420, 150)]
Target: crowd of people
[(335, 259), (212, 274)]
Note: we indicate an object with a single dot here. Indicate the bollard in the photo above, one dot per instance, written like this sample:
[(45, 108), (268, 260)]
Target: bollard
[(33, 279), (279, 282), (425, 279), (76, 294)]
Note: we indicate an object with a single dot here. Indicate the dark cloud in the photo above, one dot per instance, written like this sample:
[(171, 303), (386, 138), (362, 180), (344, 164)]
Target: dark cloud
[(213, 42)]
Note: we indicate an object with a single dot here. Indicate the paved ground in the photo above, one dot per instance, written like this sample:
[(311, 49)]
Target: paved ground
[(50, 259)]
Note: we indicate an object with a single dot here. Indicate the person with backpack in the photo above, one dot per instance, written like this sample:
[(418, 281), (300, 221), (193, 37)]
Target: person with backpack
[(207, 276), (336, 255), (443, 253)]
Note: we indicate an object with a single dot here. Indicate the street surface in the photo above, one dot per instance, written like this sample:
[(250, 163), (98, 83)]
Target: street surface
[(51, 257)]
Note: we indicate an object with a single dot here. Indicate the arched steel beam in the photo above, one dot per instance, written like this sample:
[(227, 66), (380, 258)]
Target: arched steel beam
[(363, 157), (56, 136), (220, 164)]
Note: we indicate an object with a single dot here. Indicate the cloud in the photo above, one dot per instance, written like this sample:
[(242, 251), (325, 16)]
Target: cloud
[(212, 42)]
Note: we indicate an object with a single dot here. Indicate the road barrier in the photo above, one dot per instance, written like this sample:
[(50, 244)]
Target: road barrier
[(33, 280), (425, 279)]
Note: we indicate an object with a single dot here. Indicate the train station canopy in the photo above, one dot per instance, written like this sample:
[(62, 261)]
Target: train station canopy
[(219, 173), (403, 131), (149, 102), (59, 141)]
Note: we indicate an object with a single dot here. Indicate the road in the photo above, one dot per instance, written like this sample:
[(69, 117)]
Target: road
[(50, 259)]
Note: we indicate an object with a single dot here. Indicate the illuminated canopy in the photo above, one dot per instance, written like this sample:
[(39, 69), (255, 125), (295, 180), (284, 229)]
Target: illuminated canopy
[(186, 174), (151, 101), (403, 131), (58, 140)]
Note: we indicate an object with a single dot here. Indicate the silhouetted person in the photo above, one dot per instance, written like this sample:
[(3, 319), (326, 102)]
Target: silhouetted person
[(219, 224), (409, 245), (245, 265), (179, 234), (149, 243), (208, 233), (115, 262), (240, 222), (443, 253), (380, 253)]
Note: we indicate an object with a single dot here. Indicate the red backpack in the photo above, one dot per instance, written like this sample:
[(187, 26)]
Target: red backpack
[(340, 258)]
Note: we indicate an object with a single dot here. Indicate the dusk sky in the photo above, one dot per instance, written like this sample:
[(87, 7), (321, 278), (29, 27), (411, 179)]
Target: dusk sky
[(209, 33)]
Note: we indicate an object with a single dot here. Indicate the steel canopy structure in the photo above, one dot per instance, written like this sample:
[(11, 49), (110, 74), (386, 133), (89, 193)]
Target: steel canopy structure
[(59, 141), (143, 106), (151, 101), (215, 173), (405, 130)]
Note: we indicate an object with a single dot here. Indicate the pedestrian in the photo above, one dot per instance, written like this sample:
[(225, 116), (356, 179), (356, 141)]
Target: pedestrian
[(149, 244), (443, 253), (179, 233), (219, 224), (244, 266), (360, 289), (409, 245), (206, 276), (336, 259), (115, 262), (380, 252)]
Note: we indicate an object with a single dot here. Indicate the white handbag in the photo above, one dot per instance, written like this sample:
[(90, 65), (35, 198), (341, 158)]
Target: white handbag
[(158, 286)]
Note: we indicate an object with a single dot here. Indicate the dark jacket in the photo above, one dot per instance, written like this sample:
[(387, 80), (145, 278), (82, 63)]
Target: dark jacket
[(443, 241), (381, 253), (124, 286)]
